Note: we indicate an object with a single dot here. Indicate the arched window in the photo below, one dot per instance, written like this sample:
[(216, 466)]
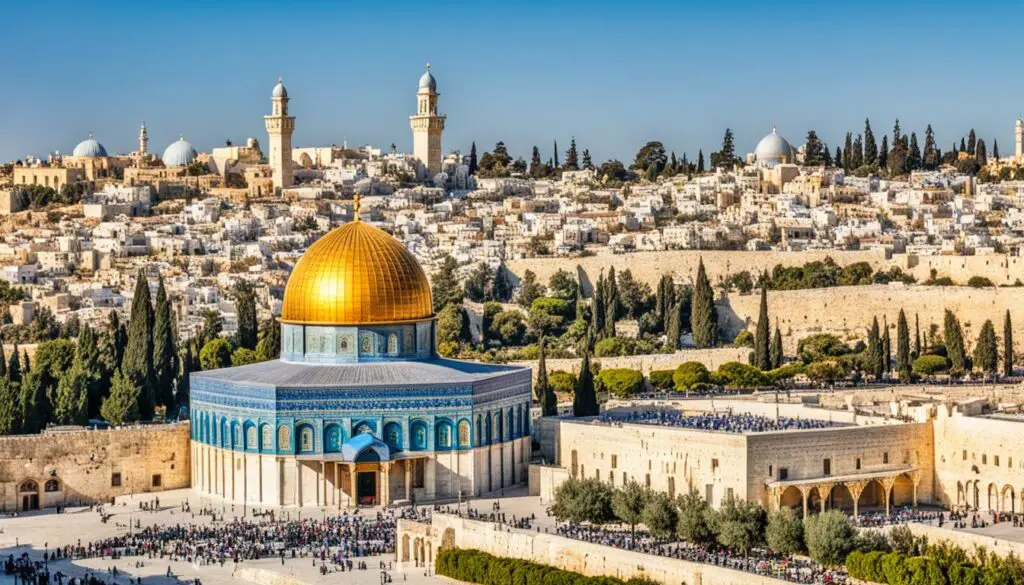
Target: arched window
[(464, 433), (362, 429), (393, 435), (418, 435), (28, 486), (488, 432), (332, 439), (444, 435), (52, 485), (510, 424), (305, 439), (267, 437), (284, 438), (250, 437), (392, 343), (238, 435)]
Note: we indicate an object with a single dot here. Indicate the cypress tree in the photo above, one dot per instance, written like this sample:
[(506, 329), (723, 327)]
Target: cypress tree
[(184, 385), (245, 308), (556, 156), (165, 351), (269, 347), (954, 343), (664, 299), (762, 352), (870, 147), (572, 161), (979, 153), (883, 153), (472, 159), (14, 366), (599, 307), (3, 360), (26, 361), (903, 348), (9, 412), (33, 403), (138, 354), (548, 400), (986, 351), (971, 142), (848, 152), (931, 151), (995, 149), (874, 350), (886, 348), (612, 304), (914, 155), (700, 161), (1007, 345), (89, 360), (703, 317), (584, 401), (838, 161), (917, 336), (72, 405), (587, 163), (122, 406), (776, 350)]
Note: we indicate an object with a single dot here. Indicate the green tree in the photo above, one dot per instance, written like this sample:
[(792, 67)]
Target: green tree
[(874, 356), (14, 366), (122, 406), (572, 159), (216, 354), (829, 537), (659, 515), (72, 406), (548, 316), (188, 365), (903, 348), (138, 354), (628, 504), (917, 336), (583, 500), (815, 151), (584, 401), (928, 365), (886, 348), (545, 391), (740, 375), (243, 356), (954, 338), (726, 157), (450, 325), (870, 147), (245, 309), (562, 285), (703, 316), (776, 354), (785, 531), (165, 350), (445, 285), (9, 403), (529, 290), (269, 346), (621, 382), (826, 372), (33, 405), (1007, 345), (931, 152), (651, 154), (478, 283), (690, 376), (762, 351), (501, 288), (88, 357), (740, 524), (695, 517), (986, 350), (472, 159), (53, 359), (509, 327)]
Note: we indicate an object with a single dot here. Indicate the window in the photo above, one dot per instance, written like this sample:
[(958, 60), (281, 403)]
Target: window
[(714, 464), (995, 460), (306, 439), (858, 463), (783, 473), (671, 487), (52, 485), (728, 494), (611, 477), (157, 480), (770, 474), (826, 466), (115, 480), (965, 454), (615, 461), (1009, 462), (647, 480), (885, 457), (984, 459), (417, 473), (625, 479), (906, 456)]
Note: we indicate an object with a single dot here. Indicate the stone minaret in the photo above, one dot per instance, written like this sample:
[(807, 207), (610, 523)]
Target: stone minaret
[(280, 127), (143, 140), (427, 125), (1018, 140)]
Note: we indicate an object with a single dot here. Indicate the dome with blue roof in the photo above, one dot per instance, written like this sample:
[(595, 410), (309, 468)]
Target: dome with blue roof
[(179, 154), (89, 148), (427, 80)]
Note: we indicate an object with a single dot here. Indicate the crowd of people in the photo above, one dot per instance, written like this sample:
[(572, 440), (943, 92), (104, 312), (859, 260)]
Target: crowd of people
[(724, 422), (758, 561), (903, 515), (495, 516)]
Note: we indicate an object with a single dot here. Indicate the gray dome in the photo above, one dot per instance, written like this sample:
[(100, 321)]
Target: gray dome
[(89, 147), (427, 80), (279, 90), (179, 154), (774, 149)]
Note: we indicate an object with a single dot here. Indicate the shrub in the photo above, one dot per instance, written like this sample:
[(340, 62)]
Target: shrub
[(621, 382), (689, 375), (473, 566), (739, 375), (827, 372), (829, 537), (612, 347), (744, 339), (661, 379), (562, 382), (785, 532), (785, 372), (979, 282), (928, 365)]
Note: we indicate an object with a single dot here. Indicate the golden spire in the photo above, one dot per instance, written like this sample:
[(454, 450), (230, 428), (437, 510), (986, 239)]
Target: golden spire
[(356, 206)]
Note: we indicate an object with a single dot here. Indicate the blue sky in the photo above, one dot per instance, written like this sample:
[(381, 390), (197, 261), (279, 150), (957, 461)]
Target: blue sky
[(612, 74)]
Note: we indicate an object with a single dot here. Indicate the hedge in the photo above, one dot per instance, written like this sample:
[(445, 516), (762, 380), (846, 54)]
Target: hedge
[(899, 569), (662, 379), (475, 566)]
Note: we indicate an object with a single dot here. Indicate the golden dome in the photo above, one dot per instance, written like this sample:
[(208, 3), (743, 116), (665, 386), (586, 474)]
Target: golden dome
[(357, 275)]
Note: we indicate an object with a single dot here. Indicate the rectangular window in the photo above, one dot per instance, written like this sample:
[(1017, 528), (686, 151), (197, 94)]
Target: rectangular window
[(611, 478), (826, 466), (858, 463), (885, 457), (709, 493), (714, 464), (615, 461), (597, 474), (770, 471), (625, 479), (728, 494), (995, 460), (984, 459), (115, 480), (647, 481), (965, 454), (1009, 462), (157, 480), (906, 456), (783, 473), (671, 487), (418, 473)]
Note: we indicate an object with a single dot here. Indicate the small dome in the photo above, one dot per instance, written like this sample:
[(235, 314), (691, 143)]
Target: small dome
[(279, 90), (179, 154), (427, 80), (89, 147), (774, 149)]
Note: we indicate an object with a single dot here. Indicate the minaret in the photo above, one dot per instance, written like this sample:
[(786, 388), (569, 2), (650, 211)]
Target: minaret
[(1018, 140), (280, 127), (143, 140), (427, 126)]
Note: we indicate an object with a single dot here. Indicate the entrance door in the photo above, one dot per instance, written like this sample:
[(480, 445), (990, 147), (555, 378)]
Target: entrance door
[(30, 502), (366, 488)]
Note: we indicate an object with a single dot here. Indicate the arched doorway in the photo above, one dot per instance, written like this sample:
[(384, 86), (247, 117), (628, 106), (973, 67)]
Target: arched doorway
[(840, 498), (993, 497), (961, 494), (903, 491), (792, 497), (366, 479), (1009, 503), (29, 492), (873, 497), (405, 548)]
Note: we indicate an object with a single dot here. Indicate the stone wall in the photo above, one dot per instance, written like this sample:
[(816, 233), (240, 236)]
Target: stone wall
[(1000, 269), (712, 358), (86, 464), (682, 264), (847, 311), (424, 541), (969, 541)]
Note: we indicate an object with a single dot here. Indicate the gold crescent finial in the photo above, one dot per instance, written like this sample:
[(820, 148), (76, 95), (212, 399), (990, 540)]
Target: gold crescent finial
[(356, 206)]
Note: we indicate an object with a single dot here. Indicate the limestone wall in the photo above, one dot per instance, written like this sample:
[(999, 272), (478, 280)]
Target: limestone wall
[(564, 553), (682, 264), (1000, 269), (712, 358), (85, 464), (847, 311), (978, 461), (969, 541)]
